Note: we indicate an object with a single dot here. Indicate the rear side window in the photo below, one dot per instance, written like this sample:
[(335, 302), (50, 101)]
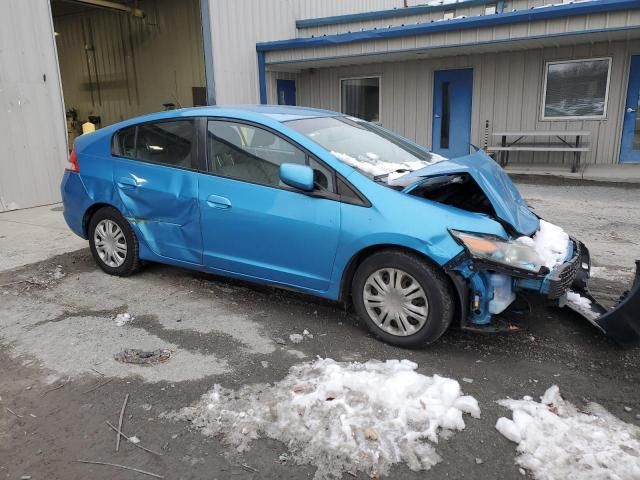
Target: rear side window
[(126, 142), (169, 143)]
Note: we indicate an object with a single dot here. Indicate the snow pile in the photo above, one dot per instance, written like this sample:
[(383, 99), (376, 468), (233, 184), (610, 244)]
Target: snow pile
[(576, 299), (341, 417), (372, 165), (556, 441), (550, 242), (122, 319)]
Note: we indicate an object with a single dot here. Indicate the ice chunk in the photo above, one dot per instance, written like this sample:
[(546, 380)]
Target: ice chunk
[(122, 319), (556, 441), (296, 338), (341, 417)]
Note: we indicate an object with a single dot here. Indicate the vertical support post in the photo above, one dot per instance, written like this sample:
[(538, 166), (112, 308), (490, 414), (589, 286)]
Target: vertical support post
[(207, 43), (262, 77), (500, 6), (576, 156)]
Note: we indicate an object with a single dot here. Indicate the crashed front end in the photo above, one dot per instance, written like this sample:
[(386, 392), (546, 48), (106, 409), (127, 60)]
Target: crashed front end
[(489, 286), (536, 257)]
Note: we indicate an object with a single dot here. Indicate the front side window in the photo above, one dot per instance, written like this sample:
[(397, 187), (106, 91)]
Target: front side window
[(248, 153), (576, 89), (361, 98), (365, 146), (168, 143)]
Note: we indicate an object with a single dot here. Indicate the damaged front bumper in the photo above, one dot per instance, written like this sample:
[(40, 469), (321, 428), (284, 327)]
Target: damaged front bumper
[(478, 286)]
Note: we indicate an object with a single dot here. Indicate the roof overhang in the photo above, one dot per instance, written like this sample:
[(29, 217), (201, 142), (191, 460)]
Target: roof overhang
[(470, 48), (545, 12)]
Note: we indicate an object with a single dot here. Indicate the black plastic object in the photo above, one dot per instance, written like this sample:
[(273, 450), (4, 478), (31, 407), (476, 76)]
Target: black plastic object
[(622, 323)]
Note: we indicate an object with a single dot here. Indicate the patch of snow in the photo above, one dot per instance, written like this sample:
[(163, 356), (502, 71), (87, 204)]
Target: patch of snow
[(296, 338), (341, 417), (550, 242), (580, 304), (557, 441), (372, 165), (467, 380), (122, 319), (134, 439)]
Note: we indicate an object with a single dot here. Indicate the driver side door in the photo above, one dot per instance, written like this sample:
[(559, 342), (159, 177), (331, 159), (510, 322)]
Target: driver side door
[(255, 226)]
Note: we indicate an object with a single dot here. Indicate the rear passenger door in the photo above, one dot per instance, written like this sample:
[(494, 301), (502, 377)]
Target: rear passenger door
[(155, 177), (254, 225)]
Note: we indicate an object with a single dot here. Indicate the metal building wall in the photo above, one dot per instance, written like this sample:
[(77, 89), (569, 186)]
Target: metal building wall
[(117, 66), (32, 123), (237, 25), (507, 92)]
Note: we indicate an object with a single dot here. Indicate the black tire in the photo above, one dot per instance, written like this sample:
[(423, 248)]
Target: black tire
[(131, 262), (433, 281)]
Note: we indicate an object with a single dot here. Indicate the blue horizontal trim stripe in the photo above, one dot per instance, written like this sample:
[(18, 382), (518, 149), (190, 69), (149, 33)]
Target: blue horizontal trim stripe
[(468, 44), (391, 13), (520, 16)]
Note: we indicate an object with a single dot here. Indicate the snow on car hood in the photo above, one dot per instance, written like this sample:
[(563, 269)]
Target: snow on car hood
[(494, 182)]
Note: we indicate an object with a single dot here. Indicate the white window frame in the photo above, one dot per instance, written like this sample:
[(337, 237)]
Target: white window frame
[(544, 91), (362, 77)]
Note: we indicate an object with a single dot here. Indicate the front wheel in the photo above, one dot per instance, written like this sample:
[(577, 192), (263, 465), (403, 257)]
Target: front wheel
[(403, 300)]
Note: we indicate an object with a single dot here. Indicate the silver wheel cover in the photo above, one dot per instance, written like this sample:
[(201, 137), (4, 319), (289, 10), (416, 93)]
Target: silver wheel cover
[(110, 243), (395, 301)]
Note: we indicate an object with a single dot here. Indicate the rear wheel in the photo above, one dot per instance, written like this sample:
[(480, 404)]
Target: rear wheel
[(402, 299), (113, 243)]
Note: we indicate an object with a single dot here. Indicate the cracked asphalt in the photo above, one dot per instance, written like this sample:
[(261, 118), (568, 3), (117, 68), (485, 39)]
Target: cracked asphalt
[(60, 382)]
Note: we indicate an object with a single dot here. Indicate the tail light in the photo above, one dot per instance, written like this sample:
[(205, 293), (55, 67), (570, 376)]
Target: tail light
[(72, 164)]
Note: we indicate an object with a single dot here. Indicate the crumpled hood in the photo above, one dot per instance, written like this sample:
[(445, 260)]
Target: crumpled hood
[(494, 181)]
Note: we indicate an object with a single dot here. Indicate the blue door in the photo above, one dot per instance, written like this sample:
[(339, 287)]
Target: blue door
[(286, 92), (252, 224), (630, 146), (452, 92)]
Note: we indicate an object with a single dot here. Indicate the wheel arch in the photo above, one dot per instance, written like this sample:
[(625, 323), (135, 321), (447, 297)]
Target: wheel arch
[(90, 212), (353, 263)]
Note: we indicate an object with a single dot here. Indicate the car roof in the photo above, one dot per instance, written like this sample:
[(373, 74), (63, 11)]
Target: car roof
[(279, 113)]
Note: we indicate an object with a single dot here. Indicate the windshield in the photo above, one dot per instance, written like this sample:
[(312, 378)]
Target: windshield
[(371, 149)]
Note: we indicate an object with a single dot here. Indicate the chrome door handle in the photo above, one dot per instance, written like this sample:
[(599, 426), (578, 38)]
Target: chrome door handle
[(127, 182), (216, 201), (631, 110)]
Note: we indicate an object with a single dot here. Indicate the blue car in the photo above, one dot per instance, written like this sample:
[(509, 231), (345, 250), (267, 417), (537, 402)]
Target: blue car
[(329, 205)]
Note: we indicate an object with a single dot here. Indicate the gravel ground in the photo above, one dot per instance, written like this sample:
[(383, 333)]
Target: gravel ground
[(60, 383)]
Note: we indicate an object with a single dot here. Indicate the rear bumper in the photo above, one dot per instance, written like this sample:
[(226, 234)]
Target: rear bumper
[(75, 201)]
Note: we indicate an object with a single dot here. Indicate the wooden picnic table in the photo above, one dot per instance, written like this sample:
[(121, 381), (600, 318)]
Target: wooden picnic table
[(564, 145)]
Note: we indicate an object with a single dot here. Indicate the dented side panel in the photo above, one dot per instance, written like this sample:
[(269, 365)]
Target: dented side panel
[(162, 202)]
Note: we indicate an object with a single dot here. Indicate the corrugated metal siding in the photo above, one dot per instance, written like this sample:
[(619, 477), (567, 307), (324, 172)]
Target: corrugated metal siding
[(472, 36), (117, 66), (237, 25), (507, 93), (31, 106)]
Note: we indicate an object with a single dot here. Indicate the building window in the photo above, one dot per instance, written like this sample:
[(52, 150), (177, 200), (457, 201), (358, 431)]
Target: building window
[(576, 89), (490, 9), (361, 98)]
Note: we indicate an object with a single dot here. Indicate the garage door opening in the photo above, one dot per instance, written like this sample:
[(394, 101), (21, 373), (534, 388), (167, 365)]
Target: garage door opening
[(120, 59)]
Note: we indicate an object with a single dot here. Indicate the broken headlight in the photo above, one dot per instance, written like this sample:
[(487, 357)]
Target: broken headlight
[(496, 250)]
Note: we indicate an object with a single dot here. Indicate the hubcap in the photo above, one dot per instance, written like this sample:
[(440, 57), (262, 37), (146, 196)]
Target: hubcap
[(395, 301), (110, 243)]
